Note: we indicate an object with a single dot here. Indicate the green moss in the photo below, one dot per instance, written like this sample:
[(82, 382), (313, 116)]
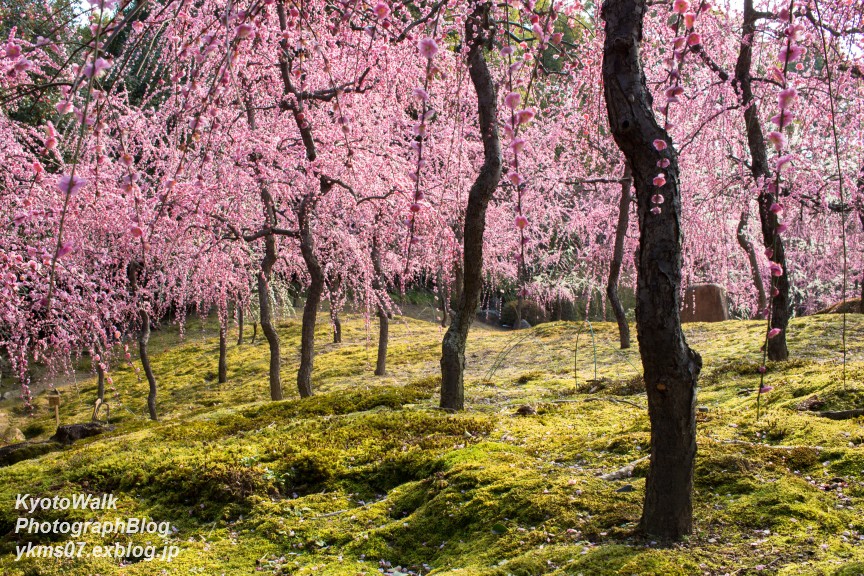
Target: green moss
[(369, 471)]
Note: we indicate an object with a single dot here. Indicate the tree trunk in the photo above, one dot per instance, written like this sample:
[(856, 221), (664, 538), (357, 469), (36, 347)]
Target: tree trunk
[(100, 382), (334, 308), (223, 350), (477, 36), (239, 324), (442, 299), (254, 332), (378, 285), (316, 290), (143, 340), (267, 315), (781, 307), (618, 257), (132, 273), (755, 273), (860, 204), (670, 367)]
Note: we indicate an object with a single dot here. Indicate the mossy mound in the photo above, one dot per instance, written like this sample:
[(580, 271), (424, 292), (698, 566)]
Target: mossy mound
[(369, 477)]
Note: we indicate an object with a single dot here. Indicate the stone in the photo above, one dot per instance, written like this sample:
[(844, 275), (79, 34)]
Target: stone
[(489, 316), (626, 488), (13, 435), (704, 303), (69, 433), (523, 324), (14, 453)]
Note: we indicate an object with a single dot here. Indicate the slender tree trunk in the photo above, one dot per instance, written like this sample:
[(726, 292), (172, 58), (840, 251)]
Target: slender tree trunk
[(254, 332), (860, 205), (378, 285), (670, 367), (618, 257), (223, 349), (478, 30), (100, 375), (755, 273), (132, 273), (781, 307), (313, 296), (143, 340), (239, 324), (334, 308), (267, 316), (442, 298)]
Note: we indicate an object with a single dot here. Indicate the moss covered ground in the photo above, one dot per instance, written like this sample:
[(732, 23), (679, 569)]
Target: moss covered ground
[(369, 476)]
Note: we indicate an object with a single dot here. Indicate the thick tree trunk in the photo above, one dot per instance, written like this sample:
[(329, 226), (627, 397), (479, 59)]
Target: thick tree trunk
[(223, 350), (267, 316), (478, 28), (670, 367), (378, 285), (755, 273), (313, 296), (618, 257), (781, 307), (239, 324)]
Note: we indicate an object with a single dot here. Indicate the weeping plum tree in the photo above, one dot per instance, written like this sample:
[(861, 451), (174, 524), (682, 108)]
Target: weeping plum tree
[(781, 306), (478, 37), (670, 367)]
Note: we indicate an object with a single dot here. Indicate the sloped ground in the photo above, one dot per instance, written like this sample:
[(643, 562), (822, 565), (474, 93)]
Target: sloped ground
[(369, 476)]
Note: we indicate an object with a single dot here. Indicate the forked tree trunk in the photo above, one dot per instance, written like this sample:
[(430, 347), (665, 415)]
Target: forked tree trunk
[(670, 367), (223, 349), (313, 296), (266, 310), (478, 30), (781, 307), (378, 285), (755, 273), (618, 257), (239, 324)]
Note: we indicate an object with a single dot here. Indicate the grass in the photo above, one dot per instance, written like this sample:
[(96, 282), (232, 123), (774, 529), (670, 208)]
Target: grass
[(368, 476)]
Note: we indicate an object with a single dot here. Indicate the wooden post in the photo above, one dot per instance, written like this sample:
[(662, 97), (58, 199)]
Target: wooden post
[(54, 401)]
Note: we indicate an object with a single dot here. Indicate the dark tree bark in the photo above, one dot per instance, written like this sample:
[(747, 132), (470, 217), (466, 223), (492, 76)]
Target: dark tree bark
[(378, 285), (313, 296), (133, 271), (755, 273), (254, 331), (223, 350), (781, 306), (239, 324), (618, 258), (265, 273), (670, 367), (266, 320), (478, 36)]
